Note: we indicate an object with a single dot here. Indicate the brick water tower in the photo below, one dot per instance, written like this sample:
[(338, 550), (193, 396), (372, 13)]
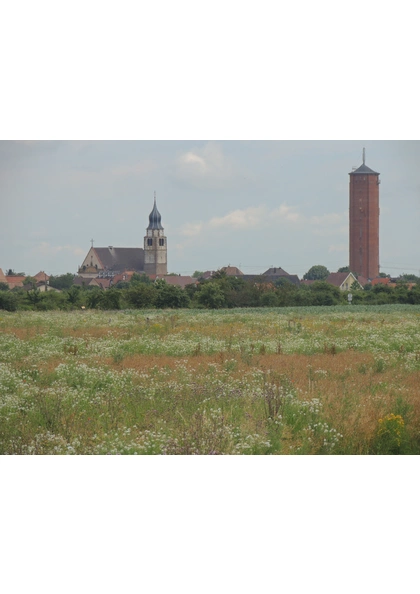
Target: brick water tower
[(364, 221)]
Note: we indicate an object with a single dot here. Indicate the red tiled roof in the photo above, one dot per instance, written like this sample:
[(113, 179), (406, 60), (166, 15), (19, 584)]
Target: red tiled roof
[(103, 283), (337, 278), (232, 271), (15, 281), (124, 276), (178, 281), (42, 276)]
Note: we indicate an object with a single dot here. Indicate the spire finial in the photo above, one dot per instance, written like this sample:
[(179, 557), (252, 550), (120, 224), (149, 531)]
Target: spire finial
[(155, 196), (364, 156)]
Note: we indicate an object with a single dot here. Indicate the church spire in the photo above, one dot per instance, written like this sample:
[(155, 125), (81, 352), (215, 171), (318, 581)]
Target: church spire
[(155, 219)]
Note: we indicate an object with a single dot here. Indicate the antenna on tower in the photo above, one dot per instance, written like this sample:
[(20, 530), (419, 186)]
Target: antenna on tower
[(364, 156), (155, 196)]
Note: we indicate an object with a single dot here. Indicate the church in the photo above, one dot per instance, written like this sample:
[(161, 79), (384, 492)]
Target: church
[(152, 259)]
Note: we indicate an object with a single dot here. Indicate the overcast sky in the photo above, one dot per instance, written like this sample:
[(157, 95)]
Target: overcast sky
[(251, 204)]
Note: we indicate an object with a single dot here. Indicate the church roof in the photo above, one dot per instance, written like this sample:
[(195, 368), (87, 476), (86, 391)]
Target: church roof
[(115, 258), (155, 219), (364, 170), (276, 272)]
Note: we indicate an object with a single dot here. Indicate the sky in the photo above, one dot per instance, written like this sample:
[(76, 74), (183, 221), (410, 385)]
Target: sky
[(247, 203)]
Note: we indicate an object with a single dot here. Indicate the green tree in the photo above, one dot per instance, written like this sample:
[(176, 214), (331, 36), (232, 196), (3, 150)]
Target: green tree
[(318, 272), (30, 280), (4, 287), (323, 293), (8, 301), (171, 296), (140, 278), (211, 296), (141, 295), (344, 269), (110, 299), (74, 295), (34, 296), (198, 274), (62, 282), (93, 297)]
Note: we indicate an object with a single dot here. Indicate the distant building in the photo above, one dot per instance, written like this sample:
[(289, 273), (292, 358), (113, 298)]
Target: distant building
[(176, 280), (343, 280), (42, 277), (107, 262), (232, 271), (270, 276), (364, 221), (15, 281)]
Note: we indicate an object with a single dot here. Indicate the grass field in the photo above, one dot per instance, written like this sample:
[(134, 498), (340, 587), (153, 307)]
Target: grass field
[(336, 380)]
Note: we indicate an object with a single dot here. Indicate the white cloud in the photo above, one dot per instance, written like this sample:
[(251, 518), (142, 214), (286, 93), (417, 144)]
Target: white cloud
[(249, 218), (286, 213), (192, 229), (255, 217), (206, 164)]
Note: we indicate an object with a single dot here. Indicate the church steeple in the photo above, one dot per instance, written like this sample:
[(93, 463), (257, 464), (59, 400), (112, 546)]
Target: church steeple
[(155, 219), (155, 245)]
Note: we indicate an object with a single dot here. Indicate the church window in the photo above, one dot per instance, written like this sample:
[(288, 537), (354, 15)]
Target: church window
[(149, 241), (161, 242)]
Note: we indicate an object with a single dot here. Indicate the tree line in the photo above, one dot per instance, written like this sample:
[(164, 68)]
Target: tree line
[(221, 291)]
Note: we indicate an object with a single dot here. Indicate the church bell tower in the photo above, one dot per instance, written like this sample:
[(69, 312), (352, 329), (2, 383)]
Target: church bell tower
[(155, 245)]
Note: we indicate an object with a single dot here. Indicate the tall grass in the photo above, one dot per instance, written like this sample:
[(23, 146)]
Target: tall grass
[(294, 381)]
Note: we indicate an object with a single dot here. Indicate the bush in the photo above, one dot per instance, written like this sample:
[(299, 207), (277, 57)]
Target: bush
[(8, 301), (141, 296)]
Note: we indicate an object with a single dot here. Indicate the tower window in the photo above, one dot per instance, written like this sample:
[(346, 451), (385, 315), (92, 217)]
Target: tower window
[(161, 242), (149, 241)]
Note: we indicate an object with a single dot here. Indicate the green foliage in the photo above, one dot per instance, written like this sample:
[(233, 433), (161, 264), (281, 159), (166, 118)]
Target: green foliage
[(141, 296), (409, 278), (140, 278), (198, 274), (8, 301), (171, 296), (93, 298), (211, 296), (318, 272), (344, 269), (4, 287), (74, 295), (355, 287), (62, 282), (110, 299), (34, 296)]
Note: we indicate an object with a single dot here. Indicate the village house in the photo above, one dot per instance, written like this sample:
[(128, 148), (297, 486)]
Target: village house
[(343, 280)]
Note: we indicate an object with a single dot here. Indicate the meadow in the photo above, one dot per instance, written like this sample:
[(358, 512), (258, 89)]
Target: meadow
[(309, 380)]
